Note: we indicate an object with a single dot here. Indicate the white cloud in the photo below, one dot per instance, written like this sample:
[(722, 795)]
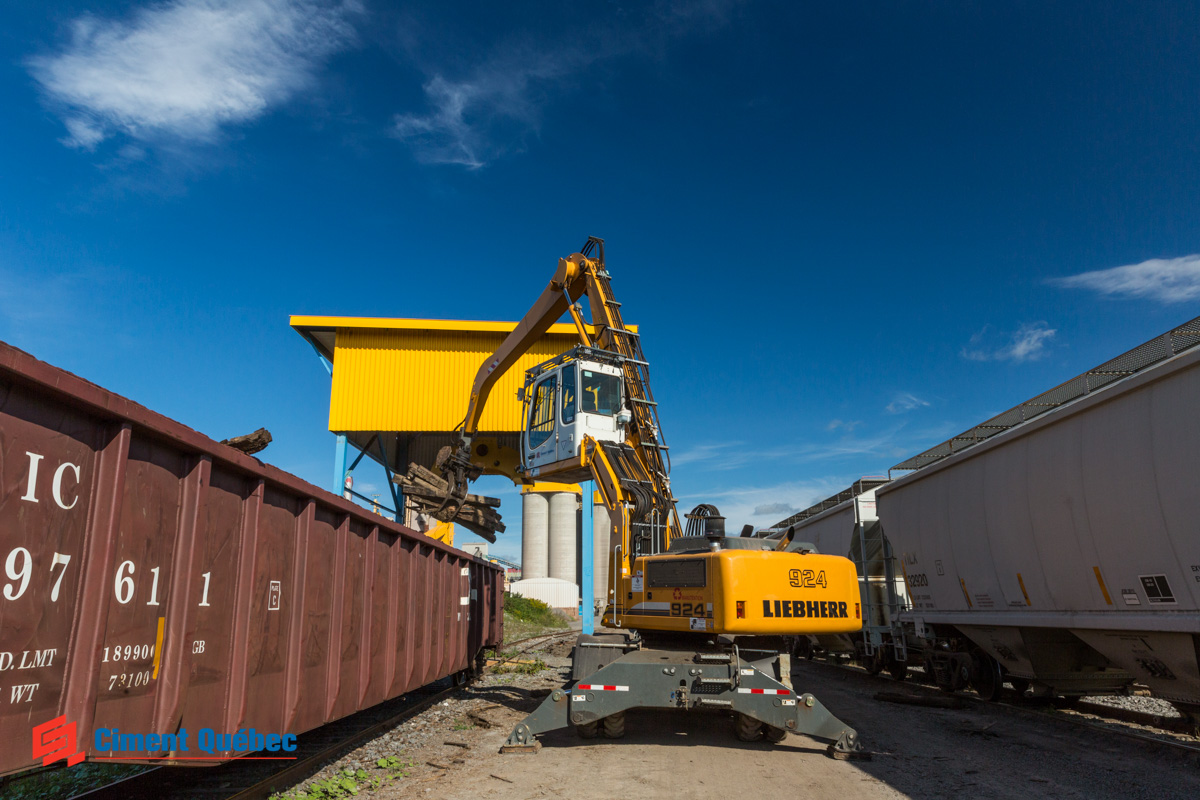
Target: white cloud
[(905, 401), (478, 114), (463, 125), (184, 69), (847, 425), (1167, 280), (778, 510), (1027, 343)]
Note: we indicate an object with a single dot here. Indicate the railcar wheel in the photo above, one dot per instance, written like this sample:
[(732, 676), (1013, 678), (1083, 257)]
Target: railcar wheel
[(748, 729), (614, 726), (1191, 716), (774, 735), (588, 730), (985, 675), (938, 680)]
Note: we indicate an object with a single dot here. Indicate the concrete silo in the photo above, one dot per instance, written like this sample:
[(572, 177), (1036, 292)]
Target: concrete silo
[(564, 534), (601, 548), (535, 535)]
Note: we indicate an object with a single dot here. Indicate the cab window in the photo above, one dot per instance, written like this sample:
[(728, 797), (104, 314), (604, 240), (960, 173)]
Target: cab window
[(541, 413), (568, 394), (600, 393)]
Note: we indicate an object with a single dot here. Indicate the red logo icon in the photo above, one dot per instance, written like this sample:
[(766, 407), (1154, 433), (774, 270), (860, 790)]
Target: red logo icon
[(54, 740), (677, 594)]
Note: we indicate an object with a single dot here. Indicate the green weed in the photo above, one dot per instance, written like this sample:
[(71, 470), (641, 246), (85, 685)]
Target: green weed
[(535, 666), (349, 782)]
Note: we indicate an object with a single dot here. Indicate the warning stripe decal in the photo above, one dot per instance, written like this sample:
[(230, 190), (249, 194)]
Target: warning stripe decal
[(763, 691), (595, 687)]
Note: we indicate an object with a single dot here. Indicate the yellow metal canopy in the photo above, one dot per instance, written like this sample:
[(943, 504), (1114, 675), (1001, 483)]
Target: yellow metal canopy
[(401, 386)]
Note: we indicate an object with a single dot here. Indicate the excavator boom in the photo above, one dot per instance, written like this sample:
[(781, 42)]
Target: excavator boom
[(579, 275)]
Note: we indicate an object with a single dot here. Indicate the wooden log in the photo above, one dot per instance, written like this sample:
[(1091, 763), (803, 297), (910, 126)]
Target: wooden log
[(251, 443), (416, 490), (426, 492)]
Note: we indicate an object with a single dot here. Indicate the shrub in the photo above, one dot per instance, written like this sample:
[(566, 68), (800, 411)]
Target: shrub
[(526, 609)]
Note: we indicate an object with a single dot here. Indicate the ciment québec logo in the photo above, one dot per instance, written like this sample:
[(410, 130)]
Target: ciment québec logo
[(59, 739), (54, 740)]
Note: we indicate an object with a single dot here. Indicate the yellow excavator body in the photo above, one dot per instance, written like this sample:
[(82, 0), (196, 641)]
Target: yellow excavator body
[(739, 592)]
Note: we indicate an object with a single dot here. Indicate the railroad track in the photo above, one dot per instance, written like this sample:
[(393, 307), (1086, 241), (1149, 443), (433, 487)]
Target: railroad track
[(1070, 716), (244, 780)]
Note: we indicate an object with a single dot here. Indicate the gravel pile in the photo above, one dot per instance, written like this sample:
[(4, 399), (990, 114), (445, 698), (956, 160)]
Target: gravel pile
[(1146, 705)]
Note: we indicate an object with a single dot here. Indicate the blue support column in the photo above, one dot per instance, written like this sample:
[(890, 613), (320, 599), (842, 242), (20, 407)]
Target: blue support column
[(586, 583), (339, 465)]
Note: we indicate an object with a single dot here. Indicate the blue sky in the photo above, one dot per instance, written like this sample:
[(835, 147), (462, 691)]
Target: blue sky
[(848, 230)]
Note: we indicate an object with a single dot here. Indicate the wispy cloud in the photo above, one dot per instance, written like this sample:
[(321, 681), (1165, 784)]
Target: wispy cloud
[(905, 401), (1027, 343), (1166, 280), (774, 510), (182, 70), (706, 453), (845, 425), (875, 451), (490, 109), (465, 116), (766, 504), (60, 315)]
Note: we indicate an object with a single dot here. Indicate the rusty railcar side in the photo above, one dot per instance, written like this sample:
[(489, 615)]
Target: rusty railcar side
[(156, 581)]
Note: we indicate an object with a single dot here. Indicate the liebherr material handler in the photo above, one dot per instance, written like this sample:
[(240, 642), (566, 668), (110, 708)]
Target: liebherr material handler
[(703, 617)]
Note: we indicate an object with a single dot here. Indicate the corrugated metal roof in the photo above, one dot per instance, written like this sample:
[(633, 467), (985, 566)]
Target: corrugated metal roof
[(415, 375)]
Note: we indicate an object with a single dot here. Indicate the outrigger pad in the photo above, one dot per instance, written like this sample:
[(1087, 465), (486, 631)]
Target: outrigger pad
[(521, 740), (847, 748)]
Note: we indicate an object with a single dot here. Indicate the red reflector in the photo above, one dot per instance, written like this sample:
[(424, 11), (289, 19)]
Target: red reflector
[(857, 612), (741, 609)]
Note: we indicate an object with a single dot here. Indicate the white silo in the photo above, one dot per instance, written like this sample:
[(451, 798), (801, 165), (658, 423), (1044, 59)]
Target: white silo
[(564, 521), (535, 535), (601, 548)]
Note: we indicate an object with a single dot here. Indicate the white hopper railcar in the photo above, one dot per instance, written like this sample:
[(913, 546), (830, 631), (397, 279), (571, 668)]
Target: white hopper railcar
[(1055, 546), (1059, 543)]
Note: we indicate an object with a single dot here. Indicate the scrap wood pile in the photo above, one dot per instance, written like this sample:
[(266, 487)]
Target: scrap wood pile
[(426, 490)]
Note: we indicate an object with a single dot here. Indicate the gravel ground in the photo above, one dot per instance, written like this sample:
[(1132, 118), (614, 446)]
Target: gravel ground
[(1146, 705), (444, 737), (988, 751), (981, 751)]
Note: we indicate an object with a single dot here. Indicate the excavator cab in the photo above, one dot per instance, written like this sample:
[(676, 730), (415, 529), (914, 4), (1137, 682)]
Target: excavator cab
[(579, 393)]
